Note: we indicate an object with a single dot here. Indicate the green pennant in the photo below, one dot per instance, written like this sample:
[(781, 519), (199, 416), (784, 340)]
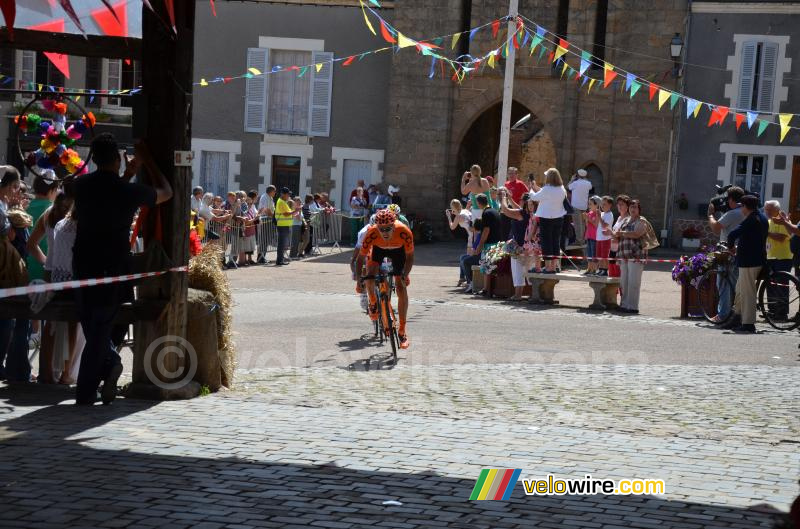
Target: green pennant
[(635, 88), (541, 52), (438, 41), (535, 42), (303, 71), (673, 99), (762, 125)]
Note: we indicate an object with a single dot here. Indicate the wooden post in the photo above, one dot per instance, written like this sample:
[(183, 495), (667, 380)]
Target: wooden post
[(167, 74), (508, 97)]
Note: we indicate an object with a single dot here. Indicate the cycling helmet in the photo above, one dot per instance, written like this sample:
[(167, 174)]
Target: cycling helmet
[(385, 217), (394, 208)]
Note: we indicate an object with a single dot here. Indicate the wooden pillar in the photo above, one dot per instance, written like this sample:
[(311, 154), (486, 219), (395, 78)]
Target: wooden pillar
[(167, 75)]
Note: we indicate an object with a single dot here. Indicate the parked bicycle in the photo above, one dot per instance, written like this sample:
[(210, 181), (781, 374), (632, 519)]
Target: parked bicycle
[(778, 293)]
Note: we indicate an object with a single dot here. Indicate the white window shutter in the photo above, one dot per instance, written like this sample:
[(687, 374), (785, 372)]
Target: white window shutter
[(255, 100), (319, 113), (746, 76), (769, 67)]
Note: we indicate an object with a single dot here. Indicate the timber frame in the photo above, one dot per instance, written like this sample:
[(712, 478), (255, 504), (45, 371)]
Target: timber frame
[(167, 73)]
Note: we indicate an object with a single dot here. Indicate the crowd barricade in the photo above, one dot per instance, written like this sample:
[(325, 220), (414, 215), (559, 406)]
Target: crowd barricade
[(327, 230), (266, 236)]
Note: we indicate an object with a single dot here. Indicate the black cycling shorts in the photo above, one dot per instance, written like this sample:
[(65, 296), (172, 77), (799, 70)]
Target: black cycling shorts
[(397, 257)]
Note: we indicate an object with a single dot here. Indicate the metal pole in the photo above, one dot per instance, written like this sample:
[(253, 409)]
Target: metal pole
[(508, 96)]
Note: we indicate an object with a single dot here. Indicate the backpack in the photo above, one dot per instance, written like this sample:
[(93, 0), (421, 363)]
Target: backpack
[(649, 239)]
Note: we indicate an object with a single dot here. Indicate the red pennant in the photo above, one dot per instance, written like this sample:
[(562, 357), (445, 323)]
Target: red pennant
[(722, 113), (495, 28), (9, 8), (516, 41), (387, 35), (739, 120), (608, 77), (226, 80), (59, 60), (213, 8), (552, 54), (171, 13), (563, 43), (712, 120), (653, 90), (348, 60), (113, 23)]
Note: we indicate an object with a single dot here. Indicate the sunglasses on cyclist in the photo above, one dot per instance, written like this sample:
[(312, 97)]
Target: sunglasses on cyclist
[(387, 229)]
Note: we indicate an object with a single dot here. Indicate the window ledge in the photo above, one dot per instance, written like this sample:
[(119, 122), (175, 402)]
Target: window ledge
[(293, 139)]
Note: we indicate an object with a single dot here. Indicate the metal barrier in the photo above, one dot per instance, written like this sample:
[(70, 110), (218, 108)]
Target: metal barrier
[(327, 230), (266, 236)]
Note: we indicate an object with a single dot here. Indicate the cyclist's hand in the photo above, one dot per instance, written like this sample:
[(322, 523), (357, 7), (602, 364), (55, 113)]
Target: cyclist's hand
[(359, 287)]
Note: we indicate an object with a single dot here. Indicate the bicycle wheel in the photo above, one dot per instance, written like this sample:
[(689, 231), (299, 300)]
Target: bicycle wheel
[(779, 300), (708, 298), (387, 318)]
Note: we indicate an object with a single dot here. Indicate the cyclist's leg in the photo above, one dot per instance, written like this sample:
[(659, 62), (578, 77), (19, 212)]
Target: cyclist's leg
[(402, 303)]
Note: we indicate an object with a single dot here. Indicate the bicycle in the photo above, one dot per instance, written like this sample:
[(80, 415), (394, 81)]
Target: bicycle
[(387, 319), (782, 312)]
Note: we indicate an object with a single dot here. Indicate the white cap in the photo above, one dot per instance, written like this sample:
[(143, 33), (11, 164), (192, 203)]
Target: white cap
[(392, 189), (582, 173)]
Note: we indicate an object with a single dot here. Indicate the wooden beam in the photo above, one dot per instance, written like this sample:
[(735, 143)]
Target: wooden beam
[(71, 44)]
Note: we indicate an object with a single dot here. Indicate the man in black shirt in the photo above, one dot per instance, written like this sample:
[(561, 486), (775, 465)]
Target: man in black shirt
[(489, 234), (104, 208)]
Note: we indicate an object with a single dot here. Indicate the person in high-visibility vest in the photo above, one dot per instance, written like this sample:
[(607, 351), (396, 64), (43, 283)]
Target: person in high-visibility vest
[(284, 208)]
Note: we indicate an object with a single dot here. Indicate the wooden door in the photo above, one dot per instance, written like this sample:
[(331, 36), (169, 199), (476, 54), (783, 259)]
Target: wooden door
[(794, 197)]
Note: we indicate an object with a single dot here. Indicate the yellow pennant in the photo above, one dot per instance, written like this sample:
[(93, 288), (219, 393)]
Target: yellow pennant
[(318, 67), (663, 97), (564, 69), (40, 87), (404, 42), (490, 62), (591, 84), (455, 40), (560, 52), (203, 82), (77, 98), (785, 119), (697, 110), (254, 71), (366, 18)]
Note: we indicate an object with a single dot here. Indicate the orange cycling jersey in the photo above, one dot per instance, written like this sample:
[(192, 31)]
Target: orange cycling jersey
[(401, 238)]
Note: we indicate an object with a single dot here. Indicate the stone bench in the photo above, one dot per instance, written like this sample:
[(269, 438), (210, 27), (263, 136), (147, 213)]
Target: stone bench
[(543, 288)]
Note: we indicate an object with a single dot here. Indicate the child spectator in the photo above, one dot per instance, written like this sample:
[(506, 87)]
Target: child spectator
[(591, 219), (603, 246)]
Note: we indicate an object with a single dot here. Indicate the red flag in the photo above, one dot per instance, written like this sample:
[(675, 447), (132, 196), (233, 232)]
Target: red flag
[(739, 120), (108, 6), (113, 23), (9, 8), (563, 43), (59, 60), (348, 60), (213, 8), (712, 120), (653, 90), (608, 77), (171, 13), (226, 80), (495, 28), (722, 113), (387, 35)]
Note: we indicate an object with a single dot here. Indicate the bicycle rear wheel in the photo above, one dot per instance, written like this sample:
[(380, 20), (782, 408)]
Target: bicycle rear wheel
[(708, 298), (779, 299)]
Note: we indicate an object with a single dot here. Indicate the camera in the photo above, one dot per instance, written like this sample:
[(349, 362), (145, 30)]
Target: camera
[(720, 201)]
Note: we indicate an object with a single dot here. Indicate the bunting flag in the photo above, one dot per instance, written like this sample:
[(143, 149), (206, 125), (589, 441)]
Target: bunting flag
[(113, 23), (203, 82), (171, 12), (691, 105), (404, 42), (472, 34), (653, 90), (751, 119), (490, 62), (629, 80), (784, 120), (585, 58), (319, 66), (635, 86), (214, 11), (561, 49), (59, 60), (347, 62), (608, 75), (591, 84), (537, 39), (762, 125), (722, 113), (739, 121), (432, 72), (697, 109), (363, 10), (673, 100), (495, 28), (455, 41), (663, 97), (712, 120), (66, 5), (564, 69), (9, 9), (387, 35)]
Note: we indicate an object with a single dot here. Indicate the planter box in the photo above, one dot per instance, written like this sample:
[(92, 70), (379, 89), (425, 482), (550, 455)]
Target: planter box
[(692, 303), (502, 286), (690, 244)]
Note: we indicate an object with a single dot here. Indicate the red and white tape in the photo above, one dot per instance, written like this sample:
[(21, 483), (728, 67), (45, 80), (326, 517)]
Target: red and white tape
[(81, 283), (581, 258)]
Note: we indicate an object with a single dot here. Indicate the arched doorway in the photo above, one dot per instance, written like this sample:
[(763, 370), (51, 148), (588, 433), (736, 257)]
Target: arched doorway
[(596, 178), (530, 148)]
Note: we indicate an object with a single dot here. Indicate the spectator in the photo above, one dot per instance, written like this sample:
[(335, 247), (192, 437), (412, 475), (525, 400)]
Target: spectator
[(592, 219), (489, 235), (297, 229), (723, 227), (394, 192), (266, 204), (358, 211), (102, 249), (362, 186), (632, 254), (458, 216), (472, 185), (247, 243), (522, 232), (381, 200), (779, 259), (516, 188), (372, 194), (466, 262), (551, 216), (623, 201), (603, 247), (45, 188), (580, 186), (307, 210), (284, 215), (197, 198), (751, 256)]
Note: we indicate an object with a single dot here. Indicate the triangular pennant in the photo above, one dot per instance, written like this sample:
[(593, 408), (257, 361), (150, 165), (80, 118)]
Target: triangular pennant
[(561, 49), (697, 109), (171, 13), (609, 75), (722, 113), (348, 61), (762, 125), (635, 88), (318, 66), (784, 120), (714, 118), (386, 34), (203, 82), (564, 69), (472, 34), (433, 68), (455, 40), (404, 42), (691, 105), (490, 62), (591, 84), (214, 10), (629, 81), (9, 9), (59, 60), (495, 28), (663, 97), (673, 100), (303, 71), (254, 71), (535, 42), (739, 121), (66, 5), (585, 58), (585, 80), (653, 90), (113, 23), (541, 54), (526, 39), (751, 119)]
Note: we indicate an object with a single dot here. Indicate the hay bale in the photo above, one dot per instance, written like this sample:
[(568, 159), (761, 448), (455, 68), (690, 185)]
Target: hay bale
[(205, 273), (202, 333)]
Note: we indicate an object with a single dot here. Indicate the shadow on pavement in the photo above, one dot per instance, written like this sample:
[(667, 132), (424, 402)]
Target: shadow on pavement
[(50, 480)]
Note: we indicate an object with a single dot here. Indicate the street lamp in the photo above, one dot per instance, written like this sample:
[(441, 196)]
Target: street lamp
[(675, 49)]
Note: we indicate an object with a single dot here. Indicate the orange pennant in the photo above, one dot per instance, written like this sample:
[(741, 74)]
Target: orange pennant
[(348, 60), (722, 113), (387, 35), (653, 90), (609, 75), (59, 60), (739, 120)]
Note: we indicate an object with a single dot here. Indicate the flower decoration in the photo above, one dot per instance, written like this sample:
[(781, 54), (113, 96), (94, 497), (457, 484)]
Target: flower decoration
[(688, 270)]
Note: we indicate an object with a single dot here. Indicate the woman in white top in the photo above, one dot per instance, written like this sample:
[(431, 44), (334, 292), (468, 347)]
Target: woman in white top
[(551, 215), (458, 216)]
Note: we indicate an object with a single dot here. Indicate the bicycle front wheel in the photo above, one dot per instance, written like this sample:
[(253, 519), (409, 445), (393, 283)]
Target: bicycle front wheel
[(708, 298), (387, 318), (779, 299)]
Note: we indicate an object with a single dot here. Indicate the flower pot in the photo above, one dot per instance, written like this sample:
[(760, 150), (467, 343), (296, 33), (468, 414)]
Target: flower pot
[(690, 244)]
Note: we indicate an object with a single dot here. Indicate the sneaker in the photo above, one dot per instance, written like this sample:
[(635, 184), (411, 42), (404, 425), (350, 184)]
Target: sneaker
[(602, 273), (109, 392), (746, 328), (262, 260), (468, 289), (404, 341)]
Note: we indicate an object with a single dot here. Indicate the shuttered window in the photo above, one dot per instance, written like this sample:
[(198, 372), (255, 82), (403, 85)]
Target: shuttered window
[(288, 107), (256, 91), (321, 86), (758, 76)]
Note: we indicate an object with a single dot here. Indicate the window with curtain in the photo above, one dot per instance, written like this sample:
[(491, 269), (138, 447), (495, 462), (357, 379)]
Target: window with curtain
[(288, 98), (749, 173), (214, 172)]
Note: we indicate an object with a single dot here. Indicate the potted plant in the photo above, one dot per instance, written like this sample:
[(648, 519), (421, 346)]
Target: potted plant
[(691, 238), (683, 202)]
